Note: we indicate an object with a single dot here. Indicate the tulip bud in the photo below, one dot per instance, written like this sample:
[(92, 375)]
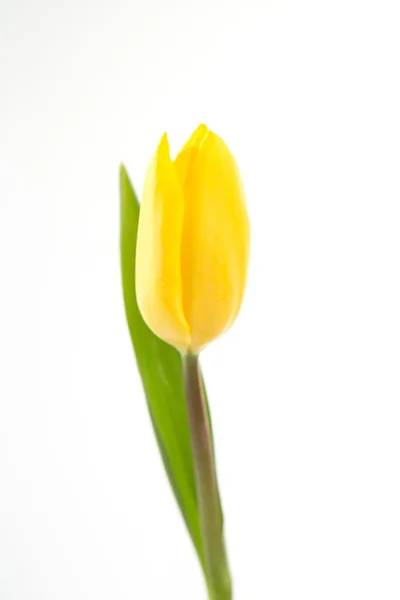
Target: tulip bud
[(193, 242)]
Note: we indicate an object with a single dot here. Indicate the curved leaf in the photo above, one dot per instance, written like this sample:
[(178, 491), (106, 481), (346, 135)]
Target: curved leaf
[(161, 372)]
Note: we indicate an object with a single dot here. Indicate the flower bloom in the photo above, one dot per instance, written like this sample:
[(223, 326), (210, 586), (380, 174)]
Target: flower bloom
[(193, 242)]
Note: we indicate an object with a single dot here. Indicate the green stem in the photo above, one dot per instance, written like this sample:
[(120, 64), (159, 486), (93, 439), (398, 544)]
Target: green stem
[(215, 560)]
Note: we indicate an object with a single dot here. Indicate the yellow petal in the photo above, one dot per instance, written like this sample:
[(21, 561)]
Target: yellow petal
[(187, 155), (158, 263), (215, 238)]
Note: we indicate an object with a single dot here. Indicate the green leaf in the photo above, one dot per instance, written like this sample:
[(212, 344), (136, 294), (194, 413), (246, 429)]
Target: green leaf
[(160, 368)]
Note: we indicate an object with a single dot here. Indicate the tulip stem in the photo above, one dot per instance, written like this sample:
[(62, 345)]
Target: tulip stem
[(214, 553)]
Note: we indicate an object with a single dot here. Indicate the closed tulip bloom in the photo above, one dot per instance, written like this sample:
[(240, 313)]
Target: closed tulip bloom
[(193, 242)]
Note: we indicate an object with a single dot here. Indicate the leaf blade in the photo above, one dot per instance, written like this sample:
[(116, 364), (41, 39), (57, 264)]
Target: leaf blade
[(161, 371)]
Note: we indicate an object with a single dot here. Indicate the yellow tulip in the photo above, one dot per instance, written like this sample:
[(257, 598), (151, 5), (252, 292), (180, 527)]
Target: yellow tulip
[(193, 242)]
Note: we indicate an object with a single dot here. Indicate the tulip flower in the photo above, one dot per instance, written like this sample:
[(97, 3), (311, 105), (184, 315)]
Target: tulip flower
[(193, 242), (184, 266)]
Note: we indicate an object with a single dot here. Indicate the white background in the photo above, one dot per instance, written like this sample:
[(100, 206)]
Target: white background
[(305, 389)]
